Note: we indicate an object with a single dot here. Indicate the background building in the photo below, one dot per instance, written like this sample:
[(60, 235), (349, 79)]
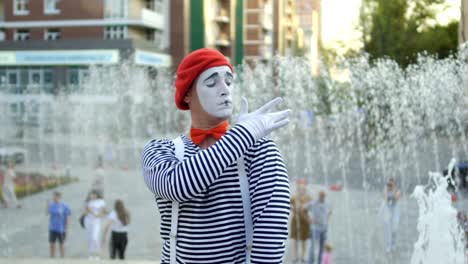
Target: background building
[(286, 28), (49, 44), (463, 26), (258, 30), (309, 15), (207, 23)]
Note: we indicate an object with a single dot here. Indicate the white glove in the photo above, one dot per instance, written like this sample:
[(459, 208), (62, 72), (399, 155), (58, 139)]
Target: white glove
[(261, 122)]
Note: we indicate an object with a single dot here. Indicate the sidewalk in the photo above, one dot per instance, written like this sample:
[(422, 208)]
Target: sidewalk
[(68, 261), (24, 232), (355, 232)]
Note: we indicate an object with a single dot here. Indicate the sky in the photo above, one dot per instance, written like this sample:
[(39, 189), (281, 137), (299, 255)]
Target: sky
[(340, 19)]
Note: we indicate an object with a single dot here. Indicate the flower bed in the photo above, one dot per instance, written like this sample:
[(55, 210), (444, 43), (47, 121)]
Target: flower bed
[(31, 183)]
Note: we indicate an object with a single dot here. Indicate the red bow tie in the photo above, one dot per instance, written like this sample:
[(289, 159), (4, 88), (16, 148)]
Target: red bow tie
[(199, 135)]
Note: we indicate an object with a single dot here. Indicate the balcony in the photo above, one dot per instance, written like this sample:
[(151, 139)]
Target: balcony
[(222, 40), (221, 19), (288, 23), (266, 52), (268, 26), (222, 43), (145, 18), (268, 40), (222, 16), (268, 8), (267, 22), (152, 19)]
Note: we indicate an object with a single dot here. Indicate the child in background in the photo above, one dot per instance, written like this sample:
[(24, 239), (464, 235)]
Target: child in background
[(327, 256)]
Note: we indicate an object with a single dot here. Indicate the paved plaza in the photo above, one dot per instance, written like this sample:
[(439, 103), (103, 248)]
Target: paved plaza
[(356, 232)]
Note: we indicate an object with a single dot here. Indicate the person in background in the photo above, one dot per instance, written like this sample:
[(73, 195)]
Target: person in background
[(95, 211), (462, 219), (98, 180), (119, 219), (59, 221), (109, 155), (300, 228), (391, 214), (327, 256), (2, 174), (9, 194), (319, 215)]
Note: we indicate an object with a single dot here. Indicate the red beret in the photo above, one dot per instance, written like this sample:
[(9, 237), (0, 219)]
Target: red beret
[(191, 67)]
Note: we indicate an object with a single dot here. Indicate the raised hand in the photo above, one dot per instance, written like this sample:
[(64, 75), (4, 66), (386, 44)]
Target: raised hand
[(262, 121)]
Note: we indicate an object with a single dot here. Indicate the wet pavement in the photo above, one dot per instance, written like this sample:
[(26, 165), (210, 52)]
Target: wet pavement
[(355, 232)]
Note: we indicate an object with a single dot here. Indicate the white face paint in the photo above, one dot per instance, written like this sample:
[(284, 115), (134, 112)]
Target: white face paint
[(214, 87)]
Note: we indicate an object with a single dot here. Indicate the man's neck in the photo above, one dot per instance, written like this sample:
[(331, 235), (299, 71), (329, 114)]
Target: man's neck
[(206, 123)]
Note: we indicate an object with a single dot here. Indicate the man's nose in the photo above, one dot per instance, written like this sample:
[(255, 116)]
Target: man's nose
[(224, 90)]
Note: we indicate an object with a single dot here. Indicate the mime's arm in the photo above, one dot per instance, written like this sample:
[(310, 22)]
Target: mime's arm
[(173, 180)]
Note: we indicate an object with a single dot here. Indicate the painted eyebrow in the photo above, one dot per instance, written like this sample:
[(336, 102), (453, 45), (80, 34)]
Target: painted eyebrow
[(211, 76), (229, 74)]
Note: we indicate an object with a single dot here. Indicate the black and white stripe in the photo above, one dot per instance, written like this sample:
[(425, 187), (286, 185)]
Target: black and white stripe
[(211, 223)]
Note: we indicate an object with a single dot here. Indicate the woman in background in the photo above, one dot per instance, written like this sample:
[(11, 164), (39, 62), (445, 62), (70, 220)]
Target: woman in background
[(300, 228), (95, 211), (118, 222), (9, 194)]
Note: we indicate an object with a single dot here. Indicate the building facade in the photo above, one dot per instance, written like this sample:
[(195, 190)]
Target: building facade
[(309, 16), (463, 26), (47, 45), (258, 30), (47, 48), (287, 34), (213, 24)]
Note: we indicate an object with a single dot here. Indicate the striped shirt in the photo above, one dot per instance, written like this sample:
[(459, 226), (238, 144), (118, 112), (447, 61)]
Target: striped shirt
[(206, 183)]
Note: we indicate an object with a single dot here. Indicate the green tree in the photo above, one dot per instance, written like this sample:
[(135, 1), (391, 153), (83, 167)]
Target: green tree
[(400, 29)]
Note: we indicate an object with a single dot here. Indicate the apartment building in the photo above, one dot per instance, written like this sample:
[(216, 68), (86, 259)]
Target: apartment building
[(463, 26), (287, 34), (47, 45), (216, 24), (309, 17), (258, 30)]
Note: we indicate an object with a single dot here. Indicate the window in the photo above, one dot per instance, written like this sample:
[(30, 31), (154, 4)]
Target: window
[(154, 5), (50, 7), (155, 36), (48, 86), (13, 80), (77, 76), (20, 7), (149, 4), (2, 35), (150, 34), (3, 81), (48, 76), (116, 32), (115, 9), (21, 35), (35, 77), (158, 5), (52, 34)]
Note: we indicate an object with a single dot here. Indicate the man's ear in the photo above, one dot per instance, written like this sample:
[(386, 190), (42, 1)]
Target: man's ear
[(187, 97)]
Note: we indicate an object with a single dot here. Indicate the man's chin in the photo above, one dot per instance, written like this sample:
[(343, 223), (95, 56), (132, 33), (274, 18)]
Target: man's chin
[(224, 114)]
